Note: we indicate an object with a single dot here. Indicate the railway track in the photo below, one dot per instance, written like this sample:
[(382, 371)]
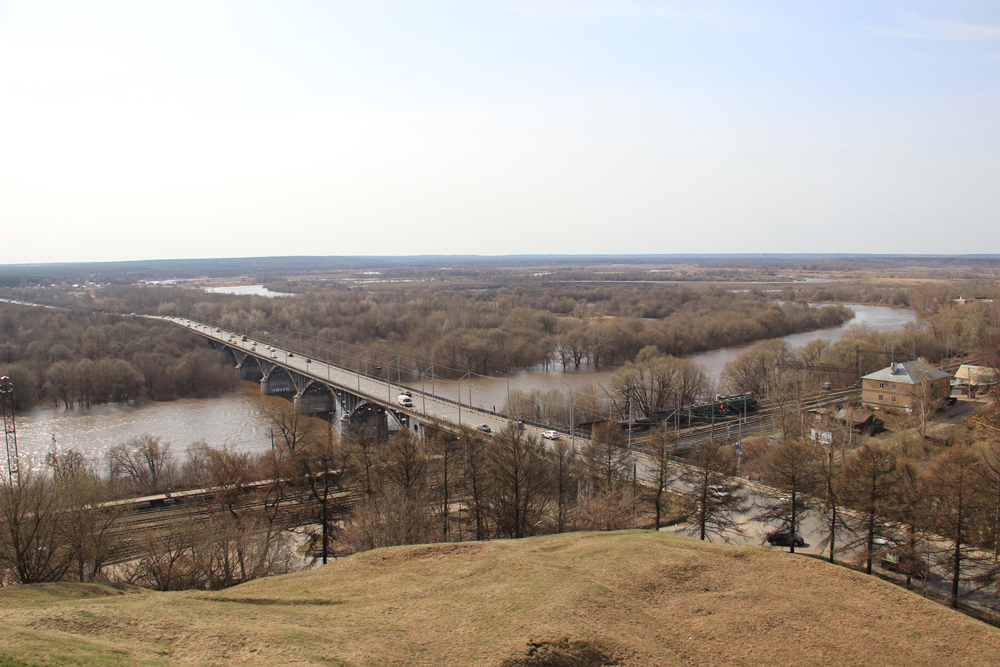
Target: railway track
[(153, 520), (731, 427)]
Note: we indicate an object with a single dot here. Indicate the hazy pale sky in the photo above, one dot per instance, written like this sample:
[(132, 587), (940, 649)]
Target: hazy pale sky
[(134, 130)]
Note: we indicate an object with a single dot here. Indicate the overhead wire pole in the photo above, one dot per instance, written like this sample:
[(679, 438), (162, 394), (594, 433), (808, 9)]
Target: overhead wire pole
[(10, 430)]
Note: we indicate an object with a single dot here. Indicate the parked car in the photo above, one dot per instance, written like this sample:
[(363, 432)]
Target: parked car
[(550, 435), (904, 562), (485, 428), (783, 538)]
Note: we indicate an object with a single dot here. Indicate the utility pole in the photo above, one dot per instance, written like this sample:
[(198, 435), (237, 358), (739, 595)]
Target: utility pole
[(10, 430)]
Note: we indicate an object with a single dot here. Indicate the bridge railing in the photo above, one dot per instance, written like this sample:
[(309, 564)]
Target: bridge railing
[(473, 409)]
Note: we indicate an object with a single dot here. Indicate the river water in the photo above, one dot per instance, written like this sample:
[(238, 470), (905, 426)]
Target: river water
[(253, 290), (239, 419), (490, 392)]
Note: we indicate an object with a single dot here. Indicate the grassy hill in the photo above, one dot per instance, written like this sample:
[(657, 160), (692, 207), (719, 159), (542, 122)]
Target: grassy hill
[(587, 599)]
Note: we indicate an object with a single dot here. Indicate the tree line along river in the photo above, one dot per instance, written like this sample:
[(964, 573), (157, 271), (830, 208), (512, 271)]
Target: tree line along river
[(239, 419)]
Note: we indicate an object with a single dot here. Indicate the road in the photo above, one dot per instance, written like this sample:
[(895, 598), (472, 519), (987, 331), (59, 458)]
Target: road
[(426, 407), (812, 529)]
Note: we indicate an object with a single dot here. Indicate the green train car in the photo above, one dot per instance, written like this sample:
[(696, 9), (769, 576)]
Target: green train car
[(737, 404)]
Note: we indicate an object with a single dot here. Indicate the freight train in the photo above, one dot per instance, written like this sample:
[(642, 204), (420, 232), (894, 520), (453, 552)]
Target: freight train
[(737, 404)]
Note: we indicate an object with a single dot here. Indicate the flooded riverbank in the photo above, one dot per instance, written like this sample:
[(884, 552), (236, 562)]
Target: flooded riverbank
[(239, 420)]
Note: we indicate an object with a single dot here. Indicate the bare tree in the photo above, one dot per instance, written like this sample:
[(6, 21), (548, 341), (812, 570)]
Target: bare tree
[(714, 491), (952, 482), (908, 506), (143, 461), (476, 479), (31, 544), (518, 498), (293, 427), (832, 466), (662, 445), (445, 455), (606, 456), (566, 479), (324, 466), (653, 381), (869, 478), (88, 517), (66, 464), (761, 370), (792, 466)]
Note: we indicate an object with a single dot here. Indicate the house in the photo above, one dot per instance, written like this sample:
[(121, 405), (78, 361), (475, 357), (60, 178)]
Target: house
[(969, 379), (904, 386), (861, 421)]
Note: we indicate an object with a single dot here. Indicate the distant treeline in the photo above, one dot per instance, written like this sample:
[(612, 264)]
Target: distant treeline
[(84, 359), (497, 330), (535, 268)]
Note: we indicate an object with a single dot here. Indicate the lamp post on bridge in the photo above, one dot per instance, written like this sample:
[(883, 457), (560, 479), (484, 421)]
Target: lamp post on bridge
[(460, 395), (572, 434), (507, 377), (423, 394)]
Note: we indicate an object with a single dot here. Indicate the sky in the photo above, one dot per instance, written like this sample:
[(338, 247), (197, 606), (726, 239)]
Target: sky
[(185, 129)]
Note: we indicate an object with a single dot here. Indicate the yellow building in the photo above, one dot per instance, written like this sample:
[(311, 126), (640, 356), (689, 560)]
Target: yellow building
[(904, 385)]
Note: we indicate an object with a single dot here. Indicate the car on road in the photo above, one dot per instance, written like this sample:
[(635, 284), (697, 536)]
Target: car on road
[(783, 538), (485, 428), (719, 491), (904, 562), (550, 435), (406, 392), (274, 355), (405, 401), (291, 354)]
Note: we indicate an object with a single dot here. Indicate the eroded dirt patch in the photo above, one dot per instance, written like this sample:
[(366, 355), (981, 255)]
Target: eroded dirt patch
[(562, 653), (465, 550), (279, 602)]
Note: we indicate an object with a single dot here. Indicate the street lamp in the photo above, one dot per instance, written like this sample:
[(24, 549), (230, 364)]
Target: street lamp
[(423, 394), (460, 395), (572, 434), (508, 395)]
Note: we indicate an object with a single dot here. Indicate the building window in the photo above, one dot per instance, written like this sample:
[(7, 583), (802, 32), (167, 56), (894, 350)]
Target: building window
[(881, 397), (893, 399), (893, 387), (881, 385)]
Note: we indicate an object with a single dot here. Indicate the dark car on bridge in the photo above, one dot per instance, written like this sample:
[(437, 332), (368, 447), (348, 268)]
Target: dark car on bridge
[(783, 538)]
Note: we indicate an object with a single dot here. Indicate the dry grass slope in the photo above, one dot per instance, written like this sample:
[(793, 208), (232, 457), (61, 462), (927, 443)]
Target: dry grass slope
[(578, 600)]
